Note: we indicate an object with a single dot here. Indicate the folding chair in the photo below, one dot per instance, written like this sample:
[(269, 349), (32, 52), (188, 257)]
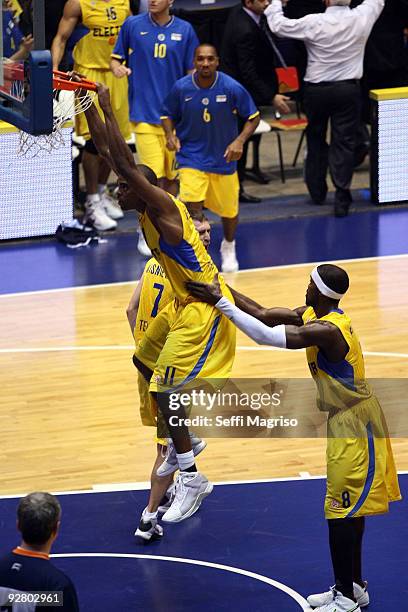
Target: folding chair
[(288, 79)]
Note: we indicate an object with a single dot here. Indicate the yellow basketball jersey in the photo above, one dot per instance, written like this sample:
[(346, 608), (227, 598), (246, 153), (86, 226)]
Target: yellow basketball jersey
[(155, 294), (340, 384), (188, 260), (103, 18)]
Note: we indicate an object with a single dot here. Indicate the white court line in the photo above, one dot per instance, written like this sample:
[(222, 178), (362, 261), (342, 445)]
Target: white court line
[(130, 347), (282, 267), (226, 568), (145, 486)]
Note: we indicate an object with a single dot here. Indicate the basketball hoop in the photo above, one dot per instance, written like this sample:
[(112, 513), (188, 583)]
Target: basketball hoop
[(69, 99)]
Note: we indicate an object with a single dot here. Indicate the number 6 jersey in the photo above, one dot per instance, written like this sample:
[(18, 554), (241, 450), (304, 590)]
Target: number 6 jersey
[(206, 120)]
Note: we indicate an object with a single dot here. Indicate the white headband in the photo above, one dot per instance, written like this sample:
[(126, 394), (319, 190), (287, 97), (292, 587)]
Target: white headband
[(323, 288)]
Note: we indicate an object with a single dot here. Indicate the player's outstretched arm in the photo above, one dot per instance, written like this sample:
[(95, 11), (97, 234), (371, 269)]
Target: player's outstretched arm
[(324, 335), (99, 134), (269, 316), (161, 208)]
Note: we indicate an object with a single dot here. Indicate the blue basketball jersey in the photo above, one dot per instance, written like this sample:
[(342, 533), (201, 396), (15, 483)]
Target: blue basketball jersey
[(206, 120), (12, 35), (158, 56)]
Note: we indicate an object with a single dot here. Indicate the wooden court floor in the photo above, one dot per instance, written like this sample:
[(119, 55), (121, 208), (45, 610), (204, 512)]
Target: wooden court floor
[(69, 404)]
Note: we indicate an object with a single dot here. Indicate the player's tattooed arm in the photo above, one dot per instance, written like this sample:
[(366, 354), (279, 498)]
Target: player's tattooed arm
[(269, 316)]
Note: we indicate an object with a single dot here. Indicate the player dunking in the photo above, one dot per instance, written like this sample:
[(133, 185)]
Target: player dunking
[(200, 342), (151, 296), (361, 474)]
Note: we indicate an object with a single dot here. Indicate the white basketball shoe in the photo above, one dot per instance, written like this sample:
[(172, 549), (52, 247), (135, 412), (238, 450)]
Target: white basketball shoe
[(167, 499), (149, 529), (229, 262), (111, 206), (96, 216), (142, 245), (170, 465), (191, 489), (322, 599)]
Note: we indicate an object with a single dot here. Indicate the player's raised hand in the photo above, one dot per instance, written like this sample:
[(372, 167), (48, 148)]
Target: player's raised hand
[(205, 292), (27, 43), (234, 150), (103, 96)]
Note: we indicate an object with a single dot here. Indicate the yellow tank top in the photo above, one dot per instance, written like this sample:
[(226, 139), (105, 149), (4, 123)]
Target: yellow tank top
[(188, 260), (340, 384), (155, 294), (103, 18)]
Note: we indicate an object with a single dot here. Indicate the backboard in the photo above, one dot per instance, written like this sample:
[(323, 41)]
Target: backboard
[(26, 95)]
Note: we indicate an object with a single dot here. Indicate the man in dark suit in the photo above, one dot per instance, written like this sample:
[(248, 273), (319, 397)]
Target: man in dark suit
[(248, 56)]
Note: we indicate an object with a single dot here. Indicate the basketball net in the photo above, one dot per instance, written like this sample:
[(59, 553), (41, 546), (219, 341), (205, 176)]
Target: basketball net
[(69, 99)]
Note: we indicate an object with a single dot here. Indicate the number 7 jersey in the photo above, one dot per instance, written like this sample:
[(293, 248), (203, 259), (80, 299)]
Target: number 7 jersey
[(155, 294)]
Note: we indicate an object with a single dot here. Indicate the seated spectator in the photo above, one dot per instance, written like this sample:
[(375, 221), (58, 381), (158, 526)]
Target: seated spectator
[(27, 568)]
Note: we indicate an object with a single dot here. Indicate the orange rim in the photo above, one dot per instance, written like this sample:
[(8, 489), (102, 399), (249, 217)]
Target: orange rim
[(62, 80)]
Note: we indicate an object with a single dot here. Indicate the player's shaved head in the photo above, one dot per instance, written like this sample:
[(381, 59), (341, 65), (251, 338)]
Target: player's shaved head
[(205, 47), (334, 277), (148, 173)]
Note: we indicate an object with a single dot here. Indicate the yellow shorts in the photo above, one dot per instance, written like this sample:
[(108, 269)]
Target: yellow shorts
[(149, 414), (152, 151), (361, 475), (219, 192), (198, 343), (119, 100)]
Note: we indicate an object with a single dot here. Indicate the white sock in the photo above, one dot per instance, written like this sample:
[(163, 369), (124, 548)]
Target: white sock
[(148, 516), (93, 198), (185, 460), (101, 188)]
